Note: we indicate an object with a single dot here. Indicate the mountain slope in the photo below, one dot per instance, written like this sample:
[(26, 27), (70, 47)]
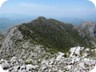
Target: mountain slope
[(52, 33)]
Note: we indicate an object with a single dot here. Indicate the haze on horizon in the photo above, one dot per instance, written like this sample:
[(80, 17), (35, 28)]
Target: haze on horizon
[(50, 8)]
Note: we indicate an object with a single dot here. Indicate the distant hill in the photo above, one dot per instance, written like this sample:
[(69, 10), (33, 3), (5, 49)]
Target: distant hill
[(6, 23), (71, 20)]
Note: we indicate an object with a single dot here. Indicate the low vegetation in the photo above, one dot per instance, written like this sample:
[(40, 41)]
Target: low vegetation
[(52, 34)]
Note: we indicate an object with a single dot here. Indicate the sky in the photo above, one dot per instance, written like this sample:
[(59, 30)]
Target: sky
[(50, 8)]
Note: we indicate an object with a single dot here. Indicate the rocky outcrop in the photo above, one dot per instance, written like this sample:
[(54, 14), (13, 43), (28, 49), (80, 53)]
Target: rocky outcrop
[(73, 61), (88, 31), (12, 36)]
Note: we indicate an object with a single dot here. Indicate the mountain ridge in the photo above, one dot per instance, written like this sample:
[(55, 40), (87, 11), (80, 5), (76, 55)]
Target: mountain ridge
[(56, 29), (44, 45), (49, 33)]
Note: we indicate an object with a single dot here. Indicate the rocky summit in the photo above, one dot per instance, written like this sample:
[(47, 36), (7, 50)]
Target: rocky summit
[(78, 59), (48, 45)]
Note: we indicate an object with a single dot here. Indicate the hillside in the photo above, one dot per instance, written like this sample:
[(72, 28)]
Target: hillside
[(52, 33)]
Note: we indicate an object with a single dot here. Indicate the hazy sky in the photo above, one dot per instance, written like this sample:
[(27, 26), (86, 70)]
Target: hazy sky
[(57, 8)]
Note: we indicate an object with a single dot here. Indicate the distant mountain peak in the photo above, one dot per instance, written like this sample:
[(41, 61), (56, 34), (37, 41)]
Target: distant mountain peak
[(87, 23), (41, 18)]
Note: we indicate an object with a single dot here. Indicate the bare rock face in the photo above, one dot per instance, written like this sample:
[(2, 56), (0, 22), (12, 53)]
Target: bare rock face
[(88, 27), (12, 36), (88, 31)]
